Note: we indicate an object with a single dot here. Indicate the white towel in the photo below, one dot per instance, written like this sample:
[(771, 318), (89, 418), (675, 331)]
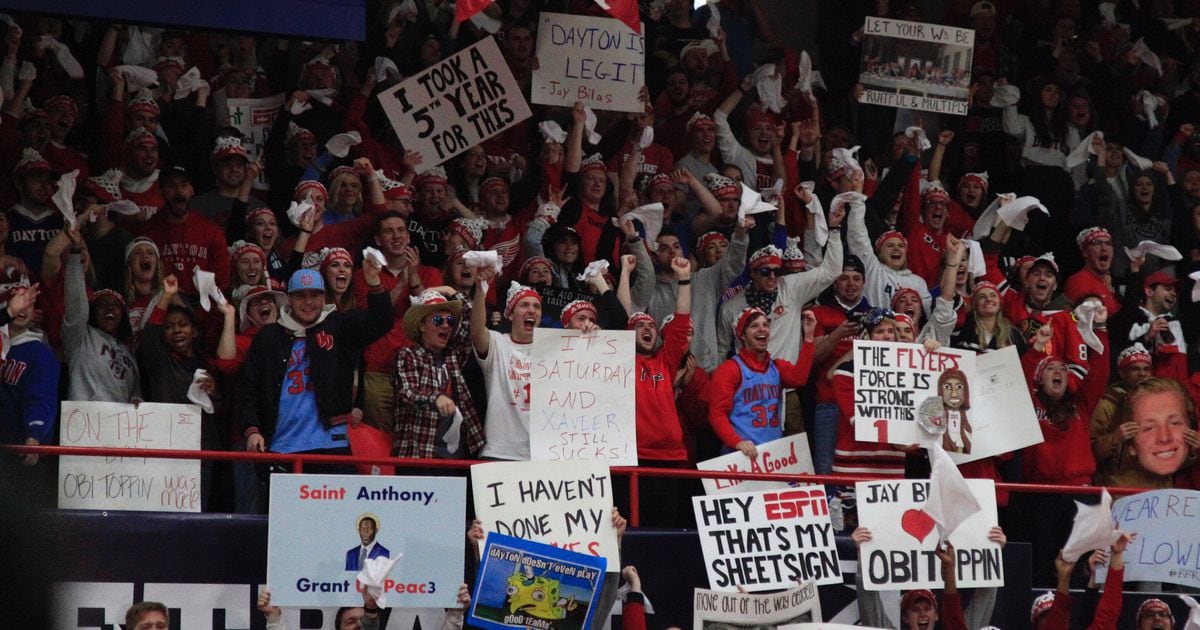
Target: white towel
[(137, 77), (752, 203), (552, 132), (374, 573), (1080, 153), (594, 268), (197, 395), (339, 145), (1164, 252), (770, 87), (1093, 529), (370, 253), (651, 217), (820, 225), (206, 286), (64, 197), (589, 125)]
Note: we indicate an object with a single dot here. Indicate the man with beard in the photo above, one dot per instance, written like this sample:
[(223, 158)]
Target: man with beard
[(1154, 324), (673, 111), (506, 362), (312, 349), (1096, 246), (659, 432), (229, 161), (184, 238), (694, 61), (838, 316), (33, 220), (139, 178)]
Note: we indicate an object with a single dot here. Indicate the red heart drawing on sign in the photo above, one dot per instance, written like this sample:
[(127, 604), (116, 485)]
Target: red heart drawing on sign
[(917, 524)]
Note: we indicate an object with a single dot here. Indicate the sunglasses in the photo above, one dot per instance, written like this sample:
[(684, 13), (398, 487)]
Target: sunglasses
[(449, 320), (767, 272)]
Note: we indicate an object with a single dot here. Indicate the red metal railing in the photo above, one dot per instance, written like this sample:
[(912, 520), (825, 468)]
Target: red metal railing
[(297, 461)]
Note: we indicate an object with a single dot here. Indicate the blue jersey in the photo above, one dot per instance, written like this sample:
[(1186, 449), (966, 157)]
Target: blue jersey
[(300, 427), (755, 412)]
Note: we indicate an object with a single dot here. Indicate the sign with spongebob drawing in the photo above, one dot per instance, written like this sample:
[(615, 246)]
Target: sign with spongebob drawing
[(524, 584)]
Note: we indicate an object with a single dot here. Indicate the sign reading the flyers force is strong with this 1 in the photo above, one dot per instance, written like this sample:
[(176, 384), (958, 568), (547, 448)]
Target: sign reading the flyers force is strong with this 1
[(914, 65), (455, 104)]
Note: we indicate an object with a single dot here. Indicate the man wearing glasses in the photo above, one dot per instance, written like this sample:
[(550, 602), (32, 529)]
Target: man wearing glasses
[(435, 414)]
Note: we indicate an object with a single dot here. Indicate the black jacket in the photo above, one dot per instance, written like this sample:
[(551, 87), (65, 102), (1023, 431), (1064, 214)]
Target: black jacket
[(334, 348)]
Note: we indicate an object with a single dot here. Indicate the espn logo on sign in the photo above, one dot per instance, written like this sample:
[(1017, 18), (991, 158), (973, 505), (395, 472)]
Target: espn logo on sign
[(795, 504)]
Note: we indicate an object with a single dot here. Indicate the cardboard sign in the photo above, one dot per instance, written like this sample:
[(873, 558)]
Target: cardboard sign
[(787, 455), (523, 584), (896, 392), (253, 118), (902, 557), (455, 104), (1002, 416), (599, 61), (318, 537), (582, 400), (1166, 548), (713, 609), (916, 65), (567, 505), (129, 483), (768, 539)]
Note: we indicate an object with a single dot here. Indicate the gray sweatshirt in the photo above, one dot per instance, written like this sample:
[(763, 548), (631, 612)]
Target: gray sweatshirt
[(101, 368)]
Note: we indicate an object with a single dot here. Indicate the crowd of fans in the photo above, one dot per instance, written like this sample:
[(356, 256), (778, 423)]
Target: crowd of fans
[(128, 176)]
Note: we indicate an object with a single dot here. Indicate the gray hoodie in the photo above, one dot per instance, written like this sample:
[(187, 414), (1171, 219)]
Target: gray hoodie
[(101, 368)]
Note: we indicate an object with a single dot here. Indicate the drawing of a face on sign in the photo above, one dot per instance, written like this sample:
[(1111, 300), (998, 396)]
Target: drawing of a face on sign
[(1162, 412), (946, 414)]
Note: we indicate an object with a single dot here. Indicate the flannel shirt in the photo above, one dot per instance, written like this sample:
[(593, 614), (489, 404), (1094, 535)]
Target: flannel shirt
[(419, 379)]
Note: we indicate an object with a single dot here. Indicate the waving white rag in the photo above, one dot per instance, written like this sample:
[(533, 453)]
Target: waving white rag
[(752, 203), (951, 501), (651, 217), (484, 260), (1093, 529), (197, 395), (814, 207), (64, 197), (1150, 104), (647, 138), (552, 131), (1011, 209), (137, 77), (1165, 252), (339, 145), (594, 268), (189, 82), (374, 254), (806, 77), (770, 87), (373, 574), (1195, 276), (138, 51), (1085, 316), (919, 136), (297, 209), (206, 286), (1193, 620), (63, 56), (976, 265), (714, 19), (1148, 56), (589, 125), (1080, 153), (386, 69)]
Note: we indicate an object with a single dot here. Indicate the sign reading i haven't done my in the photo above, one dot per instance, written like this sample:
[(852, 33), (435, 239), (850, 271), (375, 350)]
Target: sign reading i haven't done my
[(324, 529)]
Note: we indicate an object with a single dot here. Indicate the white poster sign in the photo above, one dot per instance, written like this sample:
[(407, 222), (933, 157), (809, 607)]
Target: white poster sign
[(916, 65), (455, 104), (599, 61), (1002, 417), (253, 118), (787, 455), (767, 539), (900, 554), (1166, 548), (324, 529), (582, 397), (898, 396), (129, 483), (567, 505), (718, 609)]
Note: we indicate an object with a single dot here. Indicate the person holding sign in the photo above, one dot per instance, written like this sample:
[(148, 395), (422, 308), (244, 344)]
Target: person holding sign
[(1065, 454), (506, 361), (747, 390), (659, 431), (851, 456)]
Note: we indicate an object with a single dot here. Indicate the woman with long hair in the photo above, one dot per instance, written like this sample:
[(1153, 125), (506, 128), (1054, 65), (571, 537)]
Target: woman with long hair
[(345, 196), (986, 328)]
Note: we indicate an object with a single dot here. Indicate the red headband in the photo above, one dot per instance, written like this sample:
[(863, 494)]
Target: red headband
[(569, 311), (889, 234), (638, 318)]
